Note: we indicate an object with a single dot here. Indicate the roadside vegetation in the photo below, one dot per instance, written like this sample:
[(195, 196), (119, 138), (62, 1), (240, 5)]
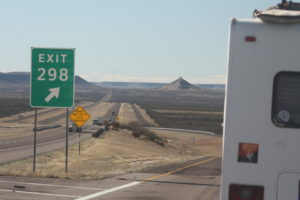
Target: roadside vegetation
[(204, 121), (14, 105), (144, 133), (10, 106), (113, 153)]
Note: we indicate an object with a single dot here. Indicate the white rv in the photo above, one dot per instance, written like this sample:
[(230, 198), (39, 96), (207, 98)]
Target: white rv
[(261, 147)]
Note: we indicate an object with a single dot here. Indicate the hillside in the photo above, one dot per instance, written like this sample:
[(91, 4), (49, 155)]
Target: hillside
[(17, 85), (14, 78), (129, 85), (23, 79), (179, 84)]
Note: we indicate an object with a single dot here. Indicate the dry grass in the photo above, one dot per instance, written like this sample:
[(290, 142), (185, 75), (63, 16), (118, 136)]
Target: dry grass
[(142, 132), (115, 152), (192, 143)]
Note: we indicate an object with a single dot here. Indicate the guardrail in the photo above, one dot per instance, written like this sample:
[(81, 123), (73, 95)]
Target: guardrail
[(183, 130), (42, 128)]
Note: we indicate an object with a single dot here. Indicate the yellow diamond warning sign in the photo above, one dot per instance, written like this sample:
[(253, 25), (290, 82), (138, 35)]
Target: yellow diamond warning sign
[(79, 116)]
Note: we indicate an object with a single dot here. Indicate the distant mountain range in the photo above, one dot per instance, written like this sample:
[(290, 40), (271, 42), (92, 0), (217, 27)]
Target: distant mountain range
[(144, 85), (23, 78)]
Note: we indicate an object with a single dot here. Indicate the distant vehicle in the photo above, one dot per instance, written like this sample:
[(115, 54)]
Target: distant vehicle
[(78, 129), (98, 121), (73, 126), (262, 111)]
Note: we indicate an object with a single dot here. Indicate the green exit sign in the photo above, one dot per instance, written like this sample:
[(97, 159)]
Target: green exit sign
[(52, 77)]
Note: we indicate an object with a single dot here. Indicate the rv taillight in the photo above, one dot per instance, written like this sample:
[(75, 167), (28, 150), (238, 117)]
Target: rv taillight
[(250, 39), (246, 192)]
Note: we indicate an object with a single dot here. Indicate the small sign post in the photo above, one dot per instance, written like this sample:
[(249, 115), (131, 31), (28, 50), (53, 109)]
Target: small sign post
[(79, 116), (52, 83), (34, 139)]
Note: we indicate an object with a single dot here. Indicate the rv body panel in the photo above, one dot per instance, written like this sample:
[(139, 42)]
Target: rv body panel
[(252, 67)]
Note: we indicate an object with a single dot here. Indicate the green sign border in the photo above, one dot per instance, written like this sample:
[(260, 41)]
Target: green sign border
[(56, 105)]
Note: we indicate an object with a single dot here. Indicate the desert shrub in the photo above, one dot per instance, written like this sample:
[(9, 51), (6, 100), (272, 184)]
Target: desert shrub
[(115, 125), (141, 132), (10, 106)]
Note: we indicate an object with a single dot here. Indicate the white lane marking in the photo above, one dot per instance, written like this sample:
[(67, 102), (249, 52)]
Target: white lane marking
[(17, 148), (38, 193), (91, 196), (52, 185)]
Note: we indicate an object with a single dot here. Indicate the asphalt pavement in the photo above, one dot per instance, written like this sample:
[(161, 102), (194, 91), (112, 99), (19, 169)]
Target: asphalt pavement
[(193, 180)]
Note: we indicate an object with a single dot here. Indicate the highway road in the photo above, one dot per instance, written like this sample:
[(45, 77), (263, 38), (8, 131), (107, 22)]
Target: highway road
[(20, 147), (114, 109), (32, 115), (193, 180), (42, 137), (197, 179), (21, 152), (63, 115)]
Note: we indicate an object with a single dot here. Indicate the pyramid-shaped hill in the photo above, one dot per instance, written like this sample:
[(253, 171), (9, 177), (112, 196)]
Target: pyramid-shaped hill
[(179, 84)]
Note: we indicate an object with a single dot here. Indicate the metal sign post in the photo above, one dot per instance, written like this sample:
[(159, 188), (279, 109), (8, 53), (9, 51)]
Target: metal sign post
[(67, 139), (34, 140), (79, 142)]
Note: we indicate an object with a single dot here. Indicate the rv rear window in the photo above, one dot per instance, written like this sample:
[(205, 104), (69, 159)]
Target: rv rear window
[(286, 100)]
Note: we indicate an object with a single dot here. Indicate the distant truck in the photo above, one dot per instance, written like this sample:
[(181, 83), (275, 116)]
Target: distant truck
[(261, 148)]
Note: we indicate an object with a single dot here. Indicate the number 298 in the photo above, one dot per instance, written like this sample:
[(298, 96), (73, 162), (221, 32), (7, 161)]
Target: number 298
[(52, 74)]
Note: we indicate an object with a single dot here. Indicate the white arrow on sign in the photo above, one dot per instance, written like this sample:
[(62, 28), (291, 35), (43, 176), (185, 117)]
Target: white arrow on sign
[(54, 92)]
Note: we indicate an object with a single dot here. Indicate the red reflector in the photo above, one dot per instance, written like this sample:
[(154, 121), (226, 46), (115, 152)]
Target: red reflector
[(246, 192), (250, 39)]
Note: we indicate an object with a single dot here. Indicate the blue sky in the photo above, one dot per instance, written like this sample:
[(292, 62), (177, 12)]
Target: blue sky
[(125, 40)]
